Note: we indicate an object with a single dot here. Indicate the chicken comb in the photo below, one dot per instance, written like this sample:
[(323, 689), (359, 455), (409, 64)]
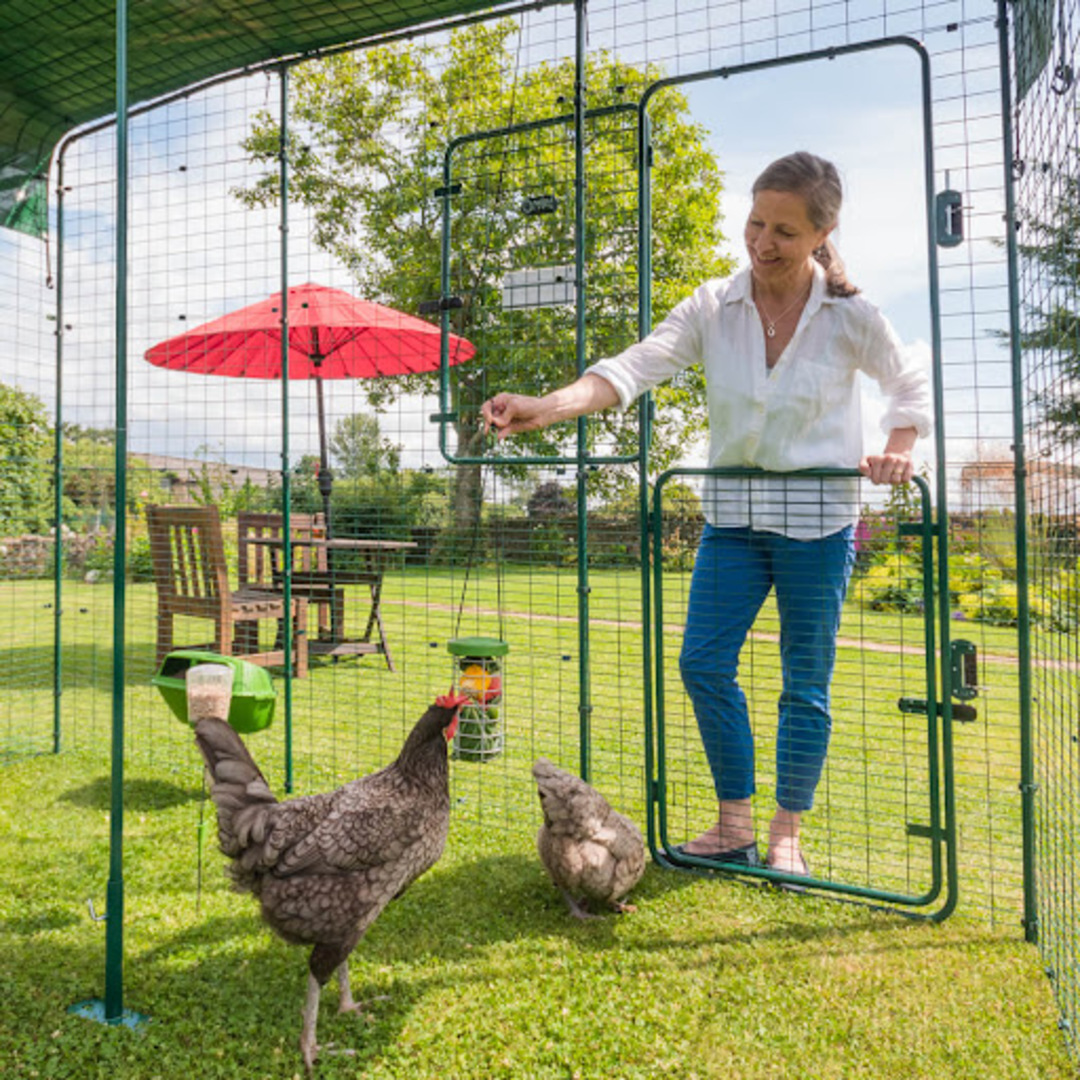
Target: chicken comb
[(451, 700)]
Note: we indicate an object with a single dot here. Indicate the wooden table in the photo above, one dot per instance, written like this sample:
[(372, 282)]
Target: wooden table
[(326, 586)]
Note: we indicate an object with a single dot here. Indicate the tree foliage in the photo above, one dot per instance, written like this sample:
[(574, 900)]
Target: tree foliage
[(360, 451), (25, 437), (1052, 253), (368, 134)]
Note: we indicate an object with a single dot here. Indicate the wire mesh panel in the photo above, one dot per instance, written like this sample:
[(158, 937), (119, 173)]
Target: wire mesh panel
[(327, 173), (28, 548), (1046, 176), (511, 202), (752, 696)]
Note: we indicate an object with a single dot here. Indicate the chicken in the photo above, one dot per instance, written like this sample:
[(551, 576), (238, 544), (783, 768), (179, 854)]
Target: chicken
[(592, 852), (324, 866)]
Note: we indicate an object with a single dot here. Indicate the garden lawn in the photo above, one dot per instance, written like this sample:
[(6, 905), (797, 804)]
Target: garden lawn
[(485, 973)]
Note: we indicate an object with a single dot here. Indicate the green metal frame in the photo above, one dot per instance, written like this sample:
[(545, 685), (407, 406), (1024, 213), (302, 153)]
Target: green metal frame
[(114, 923), (1028, 785), (939, 831), (446, 414), (940, 528)]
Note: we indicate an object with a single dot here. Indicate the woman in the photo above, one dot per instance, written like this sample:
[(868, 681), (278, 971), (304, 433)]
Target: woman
[(781, 344)]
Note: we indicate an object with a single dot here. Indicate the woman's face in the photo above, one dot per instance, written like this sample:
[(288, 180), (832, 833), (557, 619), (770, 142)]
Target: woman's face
[(781, 239)]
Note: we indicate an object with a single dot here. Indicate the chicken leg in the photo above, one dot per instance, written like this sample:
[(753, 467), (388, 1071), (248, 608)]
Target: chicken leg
[(309, 1048)]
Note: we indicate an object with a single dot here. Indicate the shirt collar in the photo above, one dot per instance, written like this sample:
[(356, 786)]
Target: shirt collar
[(740, 289)]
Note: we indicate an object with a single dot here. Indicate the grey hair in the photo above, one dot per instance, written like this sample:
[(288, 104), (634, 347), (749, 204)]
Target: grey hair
[(817, 182)]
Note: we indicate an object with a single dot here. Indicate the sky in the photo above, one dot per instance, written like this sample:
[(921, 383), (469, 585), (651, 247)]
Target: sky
[(861, 111)]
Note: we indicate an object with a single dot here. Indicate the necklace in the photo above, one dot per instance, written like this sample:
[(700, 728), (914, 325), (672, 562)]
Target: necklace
[(770, 323)]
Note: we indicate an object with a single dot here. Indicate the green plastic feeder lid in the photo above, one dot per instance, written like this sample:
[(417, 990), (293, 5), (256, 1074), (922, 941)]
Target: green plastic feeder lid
[(477, 646), (253, 694)]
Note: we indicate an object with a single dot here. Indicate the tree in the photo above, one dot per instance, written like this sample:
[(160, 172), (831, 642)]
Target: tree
[(1052, 255), (360, 451), (368, 133), (25, 437)]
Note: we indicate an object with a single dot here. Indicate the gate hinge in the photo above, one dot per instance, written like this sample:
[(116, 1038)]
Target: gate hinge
[(1028, 787), (449, 189), (913, 705), (911, 528), (443, 417)]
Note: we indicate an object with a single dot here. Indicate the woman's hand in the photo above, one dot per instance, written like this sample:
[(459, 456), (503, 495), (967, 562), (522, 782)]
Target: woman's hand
[(894, 466), (887, 468), (510, 414)]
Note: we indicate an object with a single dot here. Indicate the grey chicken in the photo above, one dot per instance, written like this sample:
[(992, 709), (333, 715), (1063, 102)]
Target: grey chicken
[(324, 866), (592, 852)]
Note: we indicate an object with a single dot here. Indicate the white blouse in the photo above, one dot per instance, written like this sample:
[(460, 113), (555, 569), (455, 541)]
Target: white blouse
[(803, 413)]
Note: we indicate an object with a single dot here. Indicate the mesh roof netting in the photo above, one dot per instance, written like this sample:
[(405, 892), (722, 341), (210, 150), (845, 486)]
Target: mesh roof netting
[(58, 63)]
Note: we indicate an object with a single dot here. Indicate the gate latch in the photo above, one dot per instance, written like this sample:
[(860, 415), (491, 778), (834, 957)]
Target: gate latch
[(949, 214), (962, 714), (965, 670)]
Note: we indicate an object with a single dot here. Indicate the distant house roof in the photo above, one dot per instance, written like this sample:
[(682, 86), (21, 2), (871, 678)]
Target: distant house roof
[(185, 473), (1051, 487)]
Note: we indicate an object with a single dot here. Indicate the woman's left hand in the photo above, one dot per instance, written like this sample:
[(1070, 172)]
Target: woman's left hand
[(892, 467)]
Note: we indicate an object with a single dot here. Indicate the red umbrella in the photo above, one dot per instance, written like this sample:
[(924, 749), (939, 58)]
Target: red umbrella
[(332, 335)]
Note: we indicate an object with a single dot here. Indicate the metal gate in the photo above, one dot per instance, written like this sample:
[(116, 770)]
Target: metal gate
[(884, 826)]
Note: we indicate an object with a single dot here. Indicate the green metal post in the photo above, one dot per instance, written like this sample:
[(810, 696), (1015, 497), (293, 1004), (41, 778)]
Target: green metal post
[(58, 464), (584, 692), (944, 614), (644, 438), (286, 487), (1028, 786), (114, 924)]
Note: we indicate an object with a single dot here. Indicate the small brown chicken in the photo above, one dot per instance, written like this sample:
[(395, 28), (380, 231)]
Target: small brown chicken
[(324, 866), (592, 852)]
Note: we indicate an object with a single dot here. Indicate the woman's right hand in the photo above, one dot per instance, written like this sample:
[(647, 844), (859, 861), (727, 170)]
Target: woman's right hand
[(510, 414)]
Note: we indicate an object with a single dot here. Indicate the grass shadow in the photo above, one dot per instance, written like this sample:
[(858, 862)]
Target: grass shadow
[(140, 796)]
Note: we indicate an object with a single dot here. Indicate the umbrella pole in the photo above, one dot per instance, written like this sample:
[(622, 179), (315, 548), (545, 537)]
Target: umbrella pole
[(326, 477)]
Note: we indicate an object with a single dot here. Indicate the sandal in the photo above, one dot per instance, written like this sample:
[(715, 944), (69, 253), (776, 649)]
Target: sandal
[(743, 856), (790, 886)]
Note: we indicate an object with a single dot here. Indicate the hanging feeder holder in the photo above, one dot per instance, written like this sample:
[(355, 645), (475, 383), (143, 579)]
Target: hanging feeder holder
[(479, 674)]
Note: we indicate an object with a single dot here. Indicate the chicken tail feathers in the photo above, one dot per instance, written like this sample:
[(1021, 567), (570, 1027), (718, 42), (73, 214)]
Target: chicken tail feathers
[(240, 792)]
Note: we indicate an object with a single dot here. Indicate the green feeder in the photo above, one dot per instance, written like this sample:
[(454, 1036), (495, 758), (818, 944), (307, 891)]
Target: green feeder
[(253, 695), (479, 675)]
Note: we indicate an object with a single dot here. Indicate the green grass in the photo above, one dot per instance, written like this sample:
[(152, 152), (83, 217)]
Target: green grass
[(487, 975)]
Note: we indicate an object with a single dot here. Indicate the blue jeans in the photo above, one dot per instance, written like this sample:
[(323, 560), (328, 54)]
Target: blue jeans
[(733, 573)]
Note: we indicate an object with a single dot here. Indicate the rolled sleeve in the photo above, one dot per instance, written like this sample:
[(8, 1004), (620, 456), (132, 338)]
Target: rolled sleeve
[(673, 346), (619, 378), (903, 378)]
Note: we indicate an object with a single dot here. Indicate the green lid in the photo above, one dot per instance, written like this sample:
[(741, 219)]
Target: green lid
[(477, 646), (252, 706)]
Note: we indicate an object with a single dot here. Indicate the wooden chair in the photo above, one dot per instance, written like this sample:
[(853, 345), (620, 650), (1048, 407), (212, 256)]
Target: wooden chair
[(190, 571), (315, 578), (259, 564)]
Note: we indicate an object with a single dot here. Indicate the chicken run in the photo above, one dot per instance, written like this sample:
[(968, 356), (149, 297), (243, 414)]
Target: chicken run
[(539, 183)]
